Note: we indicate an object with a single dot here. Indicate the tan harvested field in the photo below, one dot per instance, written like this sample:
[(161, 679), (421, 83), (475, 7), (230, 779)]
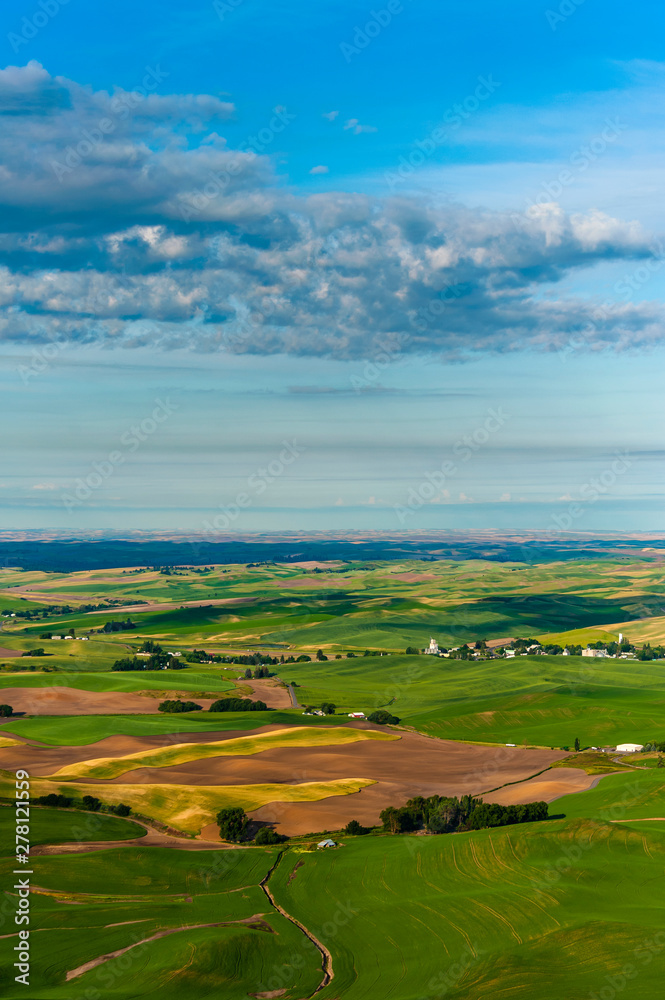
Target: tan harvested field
[(546, 787), (9, 652)]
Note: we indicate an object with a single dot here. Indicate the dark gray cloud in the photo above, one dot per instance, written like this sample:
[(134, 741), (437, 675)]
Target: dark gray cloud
[(126, 218)]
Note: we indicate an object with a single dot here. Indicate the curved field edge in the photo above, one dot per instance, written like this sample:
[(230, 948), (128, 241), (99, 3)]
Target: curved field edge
[(189, 808), (180, 753)]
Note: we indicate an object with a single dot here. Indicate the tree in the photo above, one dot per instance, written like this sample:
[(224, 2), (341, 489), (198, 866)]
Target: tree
[(412, 651), (232, 823), (91, 803), (121, 809), (6, 711), (178, 706), (238, 705), (248, 674), (320, 655), (355, 829), (328, 708), (660, 762), (577, 743), (266, 835), (383, 718)]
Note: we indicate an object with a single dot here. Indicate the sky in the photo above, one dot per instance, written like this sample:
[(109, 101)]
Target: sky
[(322, 266)]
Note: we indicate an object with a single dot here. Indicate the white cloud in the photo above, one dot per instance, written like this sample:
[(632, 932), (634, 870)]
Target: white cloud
[(319, 170)]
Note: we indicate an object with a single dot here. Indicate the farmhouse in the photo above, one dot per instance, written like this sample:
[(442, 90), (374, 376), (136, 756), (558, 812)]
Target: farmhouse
[(433, 648), (327, 843), (356, 715), (595, 652)]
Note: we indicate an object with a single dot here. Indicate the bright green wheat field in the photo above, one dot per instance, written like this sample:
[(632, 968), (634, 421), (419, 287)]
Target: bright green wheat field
[(567, 909)]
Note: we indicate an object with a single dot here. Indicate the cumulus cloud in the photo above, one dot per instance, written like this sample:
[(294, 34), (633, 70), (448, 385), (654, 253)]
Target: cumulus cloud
[(127, 218)]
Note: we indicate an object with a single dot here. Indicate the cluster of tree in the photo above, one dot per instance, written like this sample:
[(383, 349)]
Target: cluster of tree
[(233, 825), (654, 747), (200, 656), (412, 651), (327, 707), (383, 718), (179, 706), (442, 814), (15, 667), (88, 802), (258, 673), (252, 659), (156, 661), (35, 652), (238, 705), (355, 829), (113, 626), (6, 711), (182, 570), (648, 652)]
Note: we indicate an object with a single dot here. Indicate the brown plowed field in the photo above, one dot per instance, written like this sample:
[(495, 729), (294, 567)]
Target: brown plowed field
[(43, 760), (546, 787), (60, 700), (412, 765)]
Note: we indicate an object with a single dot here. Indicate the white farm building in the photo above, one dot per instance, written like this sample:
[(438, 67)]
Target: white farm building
[(630, 747)]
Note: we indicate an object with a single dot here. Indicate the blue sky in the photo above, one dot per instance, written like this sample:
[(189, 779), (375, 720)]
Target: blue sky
[(358, 236)]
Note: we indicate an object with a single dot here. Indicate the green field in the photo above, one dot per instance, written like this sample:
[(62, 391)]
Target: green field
[(123, 897), (566, 909), (56, 826), (484, 914)]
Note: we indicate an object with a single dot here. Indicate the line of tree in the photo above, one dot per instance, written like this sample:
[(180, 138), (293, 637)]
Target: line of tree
[(88, 802), (443, 814), (176, 706), (238, 705), (157, 661), (113, 626)]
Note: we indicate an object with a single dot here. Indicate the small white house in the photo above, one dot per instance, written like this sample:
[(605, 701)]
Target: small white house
[(629, 747), (510, 652)]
